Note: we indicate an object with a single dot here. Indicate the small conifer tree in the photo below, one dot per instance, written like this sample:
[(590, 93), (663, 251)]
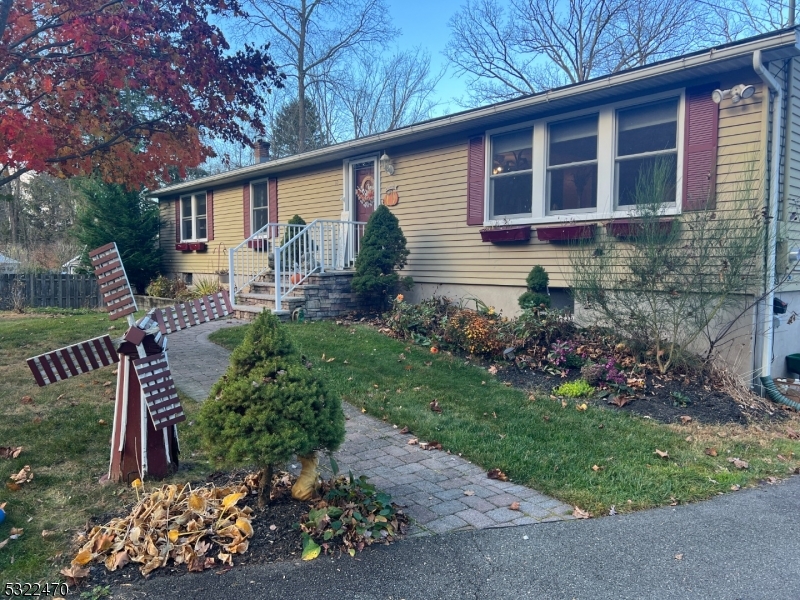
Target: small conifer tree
[(536, 295), (383, 251), (269, 405)]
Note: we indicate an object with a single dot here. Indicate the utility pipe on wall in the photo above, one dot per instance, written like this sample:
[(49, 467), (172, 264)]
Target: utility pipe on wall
[(771, 209)]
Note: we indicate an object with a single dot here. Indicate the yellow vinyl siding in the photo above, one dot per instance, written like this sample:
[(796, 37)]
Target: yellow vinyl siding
[(312, 195)]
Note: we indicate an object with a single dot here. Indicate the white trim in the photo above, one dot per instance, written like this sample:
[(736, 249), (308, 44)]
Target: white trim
[(253, 227), (193, 196), (349, 192), (606, 156)]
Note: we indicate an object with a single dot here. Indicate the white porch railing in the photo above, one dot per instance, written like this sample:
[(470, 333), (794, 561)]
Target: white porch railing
[(292, 253)]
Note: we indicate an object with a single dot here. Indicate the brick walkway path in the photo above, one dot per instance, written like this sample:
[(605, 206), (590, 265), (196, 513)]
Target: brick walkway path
[(441, 492)]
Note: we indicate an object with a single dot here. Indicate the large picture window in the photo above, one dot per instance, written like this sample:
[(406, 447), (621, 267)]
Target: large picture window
[(511, 180), (193, 217), (647, 153), (260, 205), (572, 165)]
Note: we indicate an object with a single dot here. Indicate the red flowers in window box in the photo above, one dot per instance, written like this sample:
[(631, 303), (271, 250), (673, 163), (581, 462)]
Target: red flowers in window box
[(506, 234)]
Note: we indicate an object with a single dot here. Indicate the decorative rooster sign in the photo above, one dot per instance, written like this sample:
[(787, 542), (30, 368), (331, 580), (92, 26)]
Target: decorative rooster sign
[(140, 445)]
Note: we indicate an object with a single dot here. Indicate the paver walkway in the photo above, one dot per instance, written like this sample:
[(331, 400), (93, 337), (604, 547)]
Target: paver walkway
[(440, 491)]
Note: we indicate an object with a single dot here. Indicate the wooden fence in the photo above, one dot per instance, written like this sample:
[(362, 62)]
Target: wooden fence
[(49, 289)]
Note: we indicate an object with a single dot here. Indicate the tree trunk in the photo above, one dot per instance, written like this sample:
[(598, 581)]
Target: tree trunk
[(265, 486)]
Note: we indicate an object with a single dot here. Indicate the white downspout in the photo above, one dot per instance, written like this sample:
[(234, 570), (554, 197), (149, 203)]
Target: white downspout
[(771, 207)]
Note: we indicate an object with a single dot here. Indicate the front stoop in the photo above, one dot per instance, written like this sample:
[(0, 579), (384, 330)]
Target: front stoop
[(321, 296)]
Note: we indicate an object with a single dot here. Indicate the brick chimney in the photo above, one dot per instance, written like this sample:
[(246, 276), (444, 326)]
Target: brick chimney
[(261, 148)]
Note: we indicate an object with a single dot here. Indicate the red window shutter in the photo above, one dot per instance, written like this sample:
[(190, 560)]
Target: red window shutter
[(476, 177), (210, 215), (177, 219), (700, 141), (246, 208), (272, 201)]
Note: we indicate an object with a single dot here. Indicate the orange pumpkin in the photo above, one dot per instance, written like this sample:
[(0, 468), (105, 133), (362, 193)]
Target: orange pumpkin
[(296, 278), (391, 198)]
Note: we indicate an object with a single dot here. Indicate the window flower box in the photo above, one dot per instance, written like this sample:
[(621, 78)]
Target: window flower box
[(566, 233), (629, 229), (506, 234), (191, 247)]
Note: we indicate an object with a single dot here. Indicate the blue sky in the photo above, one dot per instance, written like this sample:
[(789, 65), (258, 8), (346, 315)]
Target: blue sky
[(424, 23)]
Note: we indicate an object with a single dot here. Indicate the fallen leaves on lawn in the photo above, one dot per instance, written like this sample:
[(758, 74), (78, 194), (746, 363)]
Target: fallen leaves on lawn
[(793, 435), (581, 407), (10, 451), (24, 476), (497, 474), (433, 445), (492, 370), (661, 453), (434, 406), (619, 401), (27, 400), (579, 513), (738, 463), (735, 487), (711, 451), (183, 525), (596, 468), (404, 430), (686, 419), (412, 442)]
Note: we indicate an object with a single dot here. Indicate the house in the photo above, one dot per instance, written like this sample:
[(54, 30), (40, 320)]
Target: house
[(540, 166), (8, 265)]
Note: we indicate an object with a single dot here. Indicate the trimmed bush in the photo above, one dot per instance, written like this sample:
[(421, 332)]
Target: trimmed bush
[(537, 295), (383, 252), (269, 406)]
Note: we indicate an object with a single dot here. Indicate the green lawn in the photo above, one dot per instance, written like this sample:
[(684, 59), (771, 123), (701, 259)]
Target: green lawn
[(64, 442), (538, 443)]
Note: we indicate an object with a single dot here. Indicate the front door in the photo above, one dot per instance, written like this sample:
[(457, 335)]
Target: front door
[(363, 186)]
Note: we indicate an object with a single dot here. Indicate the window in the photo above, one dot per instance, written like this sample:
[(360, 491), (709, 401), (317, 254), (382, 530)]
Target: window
[(193, 217), (572, 165), (511, 178), (260, 206), (647, 152)]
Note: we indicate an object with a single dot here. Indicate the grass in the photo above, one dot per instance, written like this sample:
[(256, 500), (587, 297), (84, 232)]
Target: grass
[(592, 458), (64, 442)]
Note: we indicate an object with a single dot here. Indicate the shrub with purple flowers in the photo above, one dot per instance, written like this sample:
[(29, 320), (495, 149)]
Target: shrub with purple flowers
[(598, 373)]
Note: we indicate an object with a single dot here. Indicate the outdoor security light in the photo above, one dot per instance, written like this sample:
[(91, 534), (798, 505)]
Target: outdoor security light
[(386, 164), (736, 93)]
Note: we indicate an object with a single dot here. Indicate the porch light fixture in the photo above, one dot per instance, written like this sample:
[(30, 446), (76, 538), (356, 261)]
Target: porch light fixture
[(736, 93), (386, 164)]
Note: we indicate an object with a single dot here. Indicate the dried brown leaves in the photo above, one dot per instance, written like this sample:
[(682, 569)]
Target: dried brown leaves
[(184, 525)]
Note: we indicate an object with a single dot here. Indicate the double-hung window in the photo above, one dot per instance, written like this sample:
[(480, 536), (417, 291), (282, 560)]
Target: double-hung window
[(511, 178), (572, 165), (193, 217), (260, 203), (647, 153)]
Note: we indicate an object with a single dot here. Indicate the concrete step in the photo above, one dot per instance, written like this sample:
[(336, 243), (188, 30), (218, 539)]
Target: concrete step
[(249, 313), (267, 299)]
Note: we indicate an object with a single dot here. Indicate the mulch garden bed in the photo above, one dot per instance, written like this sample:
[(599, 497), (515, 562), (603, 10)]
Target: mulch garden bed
[(664, 399)]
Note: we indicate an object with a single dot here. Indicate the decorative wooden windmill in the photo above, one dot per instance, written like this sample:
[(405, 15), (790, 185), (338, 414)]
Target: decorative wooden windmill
[(139, 446)]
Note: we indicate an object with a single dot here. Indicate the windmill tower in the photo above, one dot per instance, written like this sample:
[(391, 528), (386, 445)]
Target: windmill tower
[(140, 446)]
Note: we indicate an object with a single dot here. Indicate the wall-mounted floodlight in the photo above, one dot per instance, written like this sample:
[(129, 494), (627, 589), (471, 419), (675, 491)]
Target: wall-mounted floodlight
[(736, 93), (794, 255)]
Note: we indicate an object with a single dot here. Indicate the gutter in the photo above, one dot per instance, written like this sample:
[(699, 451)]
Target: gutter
[(771, 209), (442, 125)]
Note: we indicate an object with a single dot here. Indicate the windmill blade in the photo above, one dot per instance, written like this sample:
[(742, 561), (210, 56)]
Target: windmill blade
[(194, 312), (158, 389), (114, 285), (73, 360)]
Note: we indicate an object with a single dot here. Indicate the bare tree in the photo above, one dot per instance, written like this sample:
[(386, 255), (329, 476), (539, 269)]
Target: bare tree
[(306, 35), (541, 44), (734, 19), (395, 92)]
